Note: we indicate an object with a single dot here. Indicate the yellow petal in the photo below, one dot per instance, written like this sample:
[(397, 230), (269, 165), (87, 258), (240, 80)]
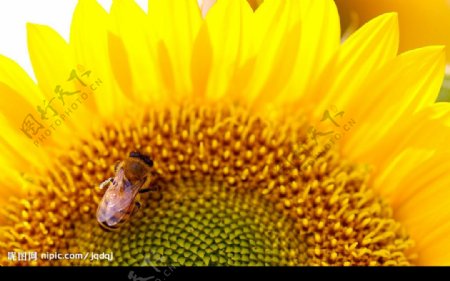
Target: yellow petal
[(50, 56), (9, 175), (133, 52), (414, 78), (278, 47), (177, 24), (320, 39), (89, 41), (120, 65), (418, 182), (20, 99), (26, 155), (202, 56), (17, 89), (364, 52), (410, 172), (229, 47), (53, 63), (15, 77)]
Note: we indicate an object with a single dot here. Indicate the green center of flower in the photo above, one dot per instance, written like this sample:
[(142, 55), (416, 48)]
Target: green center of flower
[(232, 191), (201, 225)]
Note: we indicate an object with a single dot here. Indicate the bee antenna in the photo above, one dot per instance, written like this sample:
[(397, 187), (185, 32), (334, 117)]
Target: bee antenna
[(147, 160), (143, 157), (135, 154)]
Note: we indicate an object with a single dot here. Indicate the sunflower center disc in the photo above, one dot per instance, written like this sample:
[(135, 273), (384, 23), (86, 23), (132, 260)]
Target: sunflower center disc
[(233, 190)]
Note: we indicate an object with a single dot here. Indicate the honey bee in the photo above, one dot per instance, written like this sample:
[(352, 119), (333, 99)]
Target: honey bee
[(132, 176)]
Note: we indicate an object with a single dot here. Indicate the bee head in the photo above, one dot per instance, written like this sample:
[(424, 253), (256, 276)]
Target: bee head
[(142, 157)]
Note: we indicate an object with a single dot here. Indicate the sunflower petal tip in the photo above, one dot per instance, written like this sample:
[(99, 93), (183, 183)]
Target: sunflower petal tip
[(33, 27), (391, 15), (440, 48), (30, 25), (440, 51), (437, 52), (387, 19)]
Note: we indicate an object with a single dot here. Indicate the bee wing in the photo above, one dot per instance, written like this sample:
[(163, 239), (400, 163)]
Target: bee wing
[(117, 202), (126, 207)]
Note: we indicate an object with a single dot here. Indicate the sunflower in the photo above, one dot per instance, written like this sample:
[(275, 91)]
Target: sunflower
[(272, 142)]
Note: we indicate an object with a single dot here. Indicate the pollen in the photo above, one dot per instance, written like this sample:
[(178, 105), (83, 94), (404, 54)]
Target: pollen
[(233, 190)]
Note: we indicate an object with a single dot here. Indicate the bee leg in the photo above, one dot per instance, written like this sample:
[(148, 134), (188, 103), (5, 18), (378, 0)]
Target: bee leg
[(147, 186), (116, 166), (103, 184), (150, 188), (137, 206)]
